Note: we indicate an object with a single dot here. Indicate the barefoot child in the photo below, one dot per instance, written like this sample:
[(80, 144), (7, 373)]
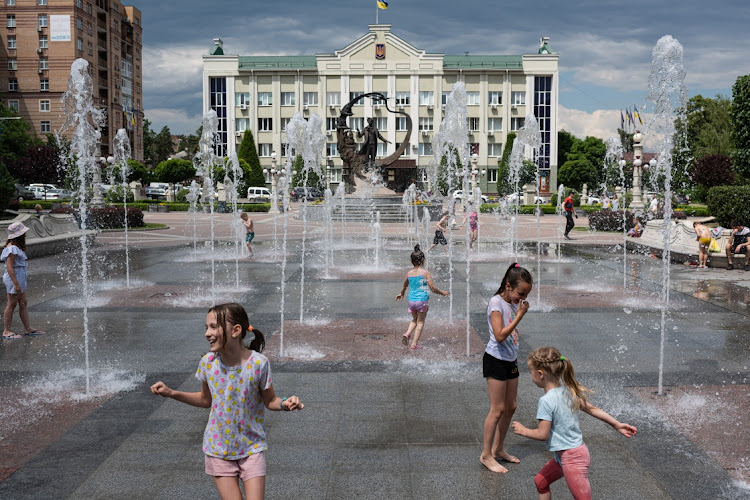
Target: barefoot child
[(440, 229), (558, 423), (500, 363), (703, 237), (248, 223), (236, 385), (14, 256), (418, 280)]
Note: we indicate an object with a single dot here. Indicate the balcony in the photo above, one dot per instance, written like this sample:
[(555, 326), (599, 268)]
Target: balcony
[(101, 26)]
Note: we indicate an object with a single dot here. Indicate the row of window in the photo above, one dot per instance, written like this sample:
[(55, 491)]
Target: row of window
[(494, 98), (42, 20), (44, 105), (11, 3), (424, 149), (13, 85), (13, 63), (43, 42)]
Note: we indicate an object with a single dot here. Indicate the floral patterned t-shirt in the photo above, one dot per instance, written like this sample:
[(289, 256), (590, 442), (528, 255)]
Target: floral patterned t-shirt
[(235, 425)]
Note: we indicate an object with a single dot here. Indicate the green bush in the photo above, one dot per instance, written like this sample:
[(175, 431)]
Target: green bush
[(115, 195), (184, 207), (693, 210), (181, 196), (728, 203), (106, 217)]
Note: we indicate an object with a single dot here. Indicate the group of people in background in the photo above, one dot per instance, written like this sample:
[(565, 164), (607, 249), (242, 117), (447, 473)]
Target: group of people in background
[(738, 244)]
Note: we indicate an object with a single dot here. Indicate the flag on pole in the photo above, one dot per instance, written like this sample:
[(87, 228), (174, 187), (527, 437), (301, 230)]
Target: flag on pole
[(382, 4), (637, 114), (629, 116), (622, 121)]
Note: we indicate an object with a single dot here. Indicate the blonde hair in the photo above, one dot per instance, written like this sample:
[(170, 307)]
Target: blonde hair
[(550, 361)]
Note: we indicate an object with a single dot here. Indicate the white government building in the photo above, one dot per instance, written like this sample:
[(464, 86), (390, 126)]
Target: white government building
[(262, 93)]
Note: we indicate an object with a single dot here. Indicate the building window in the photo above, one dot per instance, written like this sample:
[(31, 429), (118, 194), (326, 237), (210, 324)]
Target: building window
[(79, 44), (403, 98), (516, 124), (265, 149), (406, 149), (494, 149), (10, 3), (336, 175), (474, 148), (218, 102), (400, 123), (265, 99), (377, 101), (44, 106), (265, 124), (495, 98), (310, 98), (88, 7), (241, 99), (543, 113), (43, 42), (79, 23), (382, 149), (43, 63), (473, 124), (242, 124), (115, 7), (444, 98), (518, 98), (79, 4), (10, 21), (43, 20), (90, 49), (41, 2), (287, 98), (492, 175), (472, 98), (12, 85), (11, 41), (331, 124), (44, 85), (426, 98), (284, 125), (381, 123), (12, 64), (425, 124), (425, 149), (332, 149), (13, 105), (354, 95), (356, 123), (45, 127), (494, 124), (333, 98)]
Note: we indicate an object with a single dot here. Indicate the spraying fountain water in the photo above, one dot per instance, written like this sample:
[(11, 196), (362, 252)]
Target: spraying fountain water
[(205, 161), (531, 136), (341, 196), (122, 155), (560, 219), (612, 157), (666, 98), (328, 234), (192, 198), (376, 239), (514, 177), (230, 187), (85, 120)]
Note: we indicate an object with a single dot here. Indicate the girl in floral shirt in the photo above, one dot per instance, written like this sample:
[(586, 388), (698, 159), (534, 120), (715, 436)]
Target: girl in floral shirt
[(237, 387)]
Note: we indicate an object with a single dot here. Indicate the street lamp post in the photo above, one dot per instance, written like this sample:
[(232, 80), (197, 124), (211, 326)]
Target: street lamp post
[(273, 172), (97, 200), (637, 203), (474, 173)]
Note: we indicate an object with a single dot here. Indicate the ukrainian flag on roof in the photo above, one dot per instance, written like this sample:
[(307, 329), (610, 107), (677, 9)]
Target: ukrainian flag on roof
[(382, 5)]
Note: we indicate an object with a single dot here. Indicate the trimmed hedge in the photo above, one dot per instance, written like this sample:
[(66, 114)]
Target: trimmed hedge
[(488, 208), (106, 217), (184, 207), (729, 203)]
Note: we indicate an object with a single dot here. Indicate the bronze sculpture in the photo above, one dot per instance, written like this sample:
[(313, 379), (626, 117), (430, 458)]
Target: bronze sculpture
[(356, 163)]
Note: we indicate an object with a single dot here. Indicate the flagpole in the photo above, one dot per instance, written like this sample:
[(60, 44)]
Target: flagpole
[(377, 9)]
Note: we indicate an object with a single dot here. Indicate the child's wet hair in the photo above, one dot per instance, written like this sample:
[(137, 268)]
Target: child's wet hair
[(235, 314), (515, 275), (417, 256), (557, 366)]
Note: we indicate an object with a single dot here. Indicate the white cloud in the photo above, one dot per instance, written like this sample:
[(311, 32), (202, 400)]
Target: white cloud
[(178, 121), (601, 123)]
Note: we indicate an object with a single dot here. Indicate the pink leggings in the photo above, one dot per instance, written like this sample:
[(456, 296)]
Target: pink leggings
[(575, 468)]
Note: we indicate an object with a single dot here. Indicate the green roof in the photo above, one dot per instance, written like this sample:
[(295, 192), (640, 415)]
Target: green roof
[(260, 62), (467, 62)]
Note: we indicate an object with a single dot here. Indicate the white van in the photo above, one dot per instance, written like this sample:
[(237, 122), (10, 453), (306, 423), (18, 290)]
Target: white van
[(258, 194)]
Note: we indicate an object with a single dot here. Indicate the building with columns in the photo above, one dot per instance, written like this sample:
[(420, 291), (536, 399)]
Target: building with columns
[(262, 93)]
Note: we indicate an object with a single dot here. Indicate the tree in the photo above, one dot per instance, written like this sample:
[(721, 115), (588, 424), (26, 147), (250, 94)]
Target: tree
[(565, 141), (740, 115), (503, 168), (175, 171), (574, 173), (298, 178), (7, 187), (15, 136), (248, 153), (626, 139), (163, 145), (149, 144), (713, 170), (189, 143), (41, 163), (139, 172), (448, 179)]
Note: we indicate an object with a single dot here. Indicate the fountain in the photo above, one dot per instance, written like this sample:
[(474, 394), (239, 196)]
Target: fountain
[(282, 185), (205, 161), (376, 239), (531, 136), (666, 98), (192, 198), (612, 157), (560, 218), (514, 177), (328, 229), (122, 155), (230, 186), (341, 195)]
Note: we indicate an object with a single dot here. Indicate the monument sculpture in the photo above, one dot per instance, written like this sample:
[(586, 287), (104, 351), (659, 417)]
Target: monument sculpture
[(357, 163)]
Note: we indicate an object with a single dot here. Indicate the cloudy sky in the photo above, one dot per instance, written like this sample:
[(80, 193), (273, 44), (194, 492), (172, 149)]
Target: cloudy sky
[(604, 45)]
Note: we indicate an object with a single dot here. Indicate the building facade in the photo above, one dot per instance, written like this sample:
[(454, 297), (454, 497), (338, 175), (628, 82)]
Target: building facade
[(262, 93), (40, 40)]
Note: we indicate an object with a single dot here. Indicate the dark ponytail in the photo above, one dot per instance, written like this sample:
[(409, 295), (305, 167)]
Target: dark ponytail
[(417, 256), (235, 314), (514, 275)]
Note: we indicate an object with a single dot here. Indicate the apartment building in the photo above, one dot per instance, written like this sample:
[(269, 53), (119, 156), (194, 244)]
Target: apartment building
[(262, 93), (40, 39)]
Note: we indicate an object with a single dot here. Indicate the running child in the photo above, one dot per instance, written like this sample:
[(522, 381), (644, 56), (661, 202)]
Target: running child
[(558, 423), (14, 278), (505, 311), (473, 217), (440, 229), (418, 280), (703, 237), (250, 231), (236, 386)]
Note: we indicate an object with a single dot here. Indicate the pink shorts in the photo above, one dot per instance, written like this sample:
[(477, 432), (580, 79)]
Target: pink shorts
[(246, 468), (419, 306)]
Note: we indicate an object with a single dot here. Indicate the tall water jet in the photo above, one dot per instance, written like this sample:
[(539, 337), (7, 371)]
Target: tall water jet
[(560, 217), (306, 138), (515, 165), (612, 158), (376, 238), (328, 234), (282, 186), (205, 162), (192, 198), (450, 158), (666, 98), (530, 136), (122, 155), (341, 196), (232, 177), (85, 120)]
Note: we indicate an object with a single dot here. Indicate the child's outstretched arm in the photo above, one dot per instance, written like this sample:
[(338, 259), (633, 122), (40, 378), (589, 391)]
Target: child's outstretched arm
[(200, 399), (626, 430), (428, 277), (403, 289), (275, 403), (541, 433)]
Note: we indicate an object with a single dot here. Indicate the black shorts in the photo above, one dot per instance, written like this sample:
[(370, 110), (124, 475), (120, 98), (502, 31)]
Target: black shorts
[(498, 368), (737, 241), (439, 238)]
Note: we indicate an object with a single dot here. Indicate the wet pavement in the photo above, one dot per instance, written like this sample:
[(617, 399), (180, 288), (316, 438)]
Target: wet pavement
[(380, 421)]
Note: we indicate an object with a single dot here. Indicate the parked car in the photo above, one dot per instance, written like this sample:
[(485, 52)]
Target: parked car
[(594, 200), (258, 194), (23, 193), (58, 194), (514, 198), (157, 190), (310, 193), (682, 199), (460, 195), (40, 189)]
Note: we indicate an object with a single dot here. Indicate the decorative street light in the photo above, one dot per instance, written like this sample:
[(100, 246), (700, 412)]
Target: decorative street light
[(274, 173), (97, 200), (637, 203)]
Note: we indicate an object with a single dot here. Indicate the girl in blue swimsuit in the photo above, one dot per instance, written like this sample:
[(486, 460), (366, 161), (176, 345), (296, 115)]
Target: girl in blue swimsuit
[(418, 280)]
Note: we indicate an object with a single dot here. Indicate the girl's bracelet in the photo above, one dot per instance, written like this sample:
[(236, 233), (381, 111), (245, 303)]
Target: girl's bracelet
[(282, 404)]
